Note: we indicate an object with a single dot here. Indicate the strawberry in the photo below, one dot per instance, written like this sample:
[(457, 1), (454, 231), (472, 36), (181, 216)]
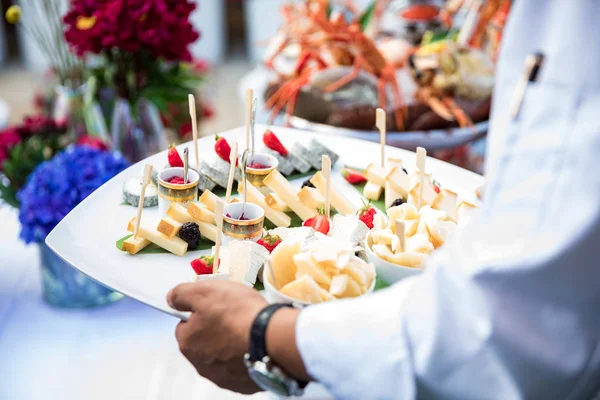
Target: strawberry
[(273, 143), (222, 148), (203, 265), (366, 215), (436, 186), (319, 222), (353, 177), (174, 157), (270, 242)]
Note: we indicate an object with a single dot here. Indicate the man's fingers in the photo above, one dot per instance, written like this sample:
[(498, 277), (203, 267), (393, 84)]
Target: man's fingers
[(182, 296)]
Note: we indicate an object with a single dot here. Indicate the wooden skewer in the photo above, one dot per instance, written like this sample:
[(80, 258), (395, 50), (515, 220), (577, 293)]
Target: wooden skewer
[(249, 96), (421, 156), (232, 161), (192, 102), (400, 232), (219, 221), (381, 125), (145, 182), (326, 171)]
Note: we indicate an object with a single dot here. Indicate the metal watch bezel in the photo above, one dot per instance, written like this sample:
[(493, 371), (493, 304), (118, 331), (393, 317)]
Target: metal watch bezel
[(271, 378)]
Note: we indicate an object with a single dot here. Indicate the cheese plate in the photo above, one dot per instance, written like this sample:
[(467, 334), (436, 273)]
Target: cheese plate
[(86, 237)]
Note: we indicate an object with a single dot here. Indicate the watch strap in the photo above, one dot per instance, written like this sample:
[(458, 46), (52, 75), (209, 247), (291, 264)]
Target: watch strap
[(258, 331)]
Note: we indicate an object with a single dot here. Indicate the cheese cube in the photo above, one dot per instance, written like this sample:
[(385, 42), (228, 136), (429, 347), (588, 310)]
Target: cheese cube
[(372, 190), (376, 174), (277, 183), (339, 202), (169, 227), (135, 245), (399, 181), (275, 202), (311, 198), (446, 201), (429, 194), (201, 213), (209, 199)]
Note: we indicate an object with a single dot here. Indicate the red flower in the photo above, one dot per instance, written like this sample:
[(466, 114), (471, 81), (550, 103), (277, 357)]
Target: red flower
[(92, 142), (201, 66), (9, 138), (160, 27), (207, 111), (40, 125)]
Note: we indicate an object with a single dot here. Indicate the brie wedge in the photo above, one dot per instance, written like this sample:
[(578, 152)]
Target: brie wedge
[(242, 260)]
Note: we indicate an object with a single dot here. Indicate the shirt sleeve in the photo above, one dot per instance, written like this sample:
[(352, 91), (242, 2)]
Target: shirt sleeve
[(508, 309)]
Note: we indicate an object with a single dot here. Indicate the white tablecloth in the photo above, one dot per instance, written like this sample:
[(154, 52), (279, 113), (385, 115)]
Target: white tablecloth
[(122, 351)]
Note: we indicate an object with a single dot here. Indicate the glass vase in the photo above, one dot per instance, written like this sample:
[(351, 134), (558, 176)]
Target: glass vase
[(65, 287), (137, 132)]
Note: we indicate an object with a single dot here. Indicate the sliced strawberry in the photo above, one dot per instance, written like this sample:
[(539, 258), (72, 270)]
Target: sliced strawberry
[(319, 223), (353, 177), (273, 143), (270, 242), (222, 148), (174, 157)]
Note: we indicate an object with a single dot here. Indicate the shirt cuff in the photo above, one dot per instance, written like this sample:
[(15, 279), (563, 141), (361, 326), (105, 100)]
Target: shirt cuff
[(369, 359)]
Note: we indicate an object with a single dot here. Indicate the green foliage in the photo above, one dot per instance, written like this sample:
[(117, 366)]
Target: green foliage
[(367, 15), (22, 160), (205, 244)]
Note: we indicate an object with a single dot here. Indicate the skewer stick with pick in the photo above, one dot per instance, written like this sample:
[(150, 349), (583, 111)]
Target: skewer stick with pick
[(400, 232), (145, 182), (192, 102), (380, 122), (249, 96), (421, 156), (232, 162), (326, 171), (219, 221)]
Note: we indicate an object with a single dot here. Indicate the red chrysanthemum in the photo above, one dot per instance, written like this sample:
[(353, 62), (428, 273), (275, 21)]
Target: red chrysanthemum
[(160, 27), (8, 139)]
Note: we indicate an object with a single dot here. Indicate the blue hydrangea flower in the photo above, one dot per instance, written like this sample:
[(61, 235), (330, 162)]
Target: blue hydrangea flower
[(56, 186)]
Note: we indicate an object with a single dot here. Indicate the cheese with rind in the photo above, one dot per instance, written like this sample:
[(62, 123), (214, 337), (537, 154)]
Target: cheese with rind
[(134, 245), (209, 199), (243, 259), (201, 213), (169, 226)]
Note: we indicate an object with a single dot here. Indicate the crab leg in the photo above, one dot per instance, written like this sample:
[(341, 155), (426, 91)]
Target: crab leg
[(278, 51), (358, 62), (389, 75), (461, 116)]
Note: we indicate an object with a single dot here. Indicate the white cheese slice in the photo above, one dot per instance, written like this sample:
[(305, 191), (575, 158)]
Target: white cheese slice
[(243, 260), (219, 276), (277, 217), (399, 181), (302, 234), (372, 190), (277, 183), (348, 228), (148, 231), (429, 193), (339, 202), (446, 201), (376, 174)]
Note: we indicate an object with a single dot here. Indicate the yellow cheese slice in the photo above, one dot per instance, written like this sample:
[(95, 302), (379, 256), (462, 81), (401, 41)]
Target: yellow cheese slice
[(175, 244), (209, 199), (446, 201), (278, 218), (134, 246), (208, 231), (399, 181), (277, 183), (275, 202), (339, 283), (169, 227), (311, 198), (306, 265), (201, 213), (339, 202), (372, 190), (376, 174)]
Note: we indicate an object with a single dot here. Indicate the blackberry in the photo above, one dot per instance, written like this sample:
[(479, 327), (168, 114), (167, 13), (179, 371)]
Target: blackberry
[(308, 183), (190, 233), (398, 202)]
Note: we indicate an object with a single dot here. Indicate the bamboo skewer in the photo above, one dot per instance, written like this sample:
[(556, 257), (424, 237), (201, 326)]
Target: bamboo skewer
[(326, 171), (145, 182), (219, 221), (400, 232), (381, 125), (232, 161), (192, 103), (421, 156)]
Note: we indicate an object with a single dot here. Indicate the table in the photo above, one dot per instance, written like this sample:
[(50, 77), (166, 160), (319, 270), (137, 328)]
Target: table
[(123, 351)]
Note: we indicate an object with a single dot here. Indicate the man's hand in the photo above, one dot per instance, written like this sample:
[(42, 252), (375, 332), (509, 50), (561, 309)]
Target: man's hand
[(217, 334)]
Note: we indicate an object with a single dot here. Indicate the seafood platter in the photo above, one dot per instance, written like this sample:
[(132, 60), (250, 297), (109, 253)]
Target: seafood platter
[(305, 218), (330, 66)]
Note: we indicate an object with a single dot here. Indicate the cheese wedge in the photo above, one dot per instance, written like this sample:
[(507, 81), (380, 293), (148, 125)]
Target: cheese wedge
[(175, 244), (243, 260), (429, 193), (390, 193), (277, 183), (399, 181), (209, 199), (464, 212), (278, 218), (446, 201), (304, 288), (169, 227), (311, 198), (282, 262), (339, 283), (339, 202), (134, 246), (376, 174), (201, 213), (275, 202), (306, 265), (372, 190)]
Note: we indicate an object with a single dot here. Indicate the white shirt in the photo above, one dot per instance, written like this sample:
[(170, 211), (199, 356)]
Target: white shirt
[(510, 309)]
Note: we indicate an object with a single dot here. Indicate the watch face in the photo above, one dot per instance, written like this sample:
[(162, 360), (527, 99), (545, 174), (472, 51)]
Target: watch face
[(268, 381)]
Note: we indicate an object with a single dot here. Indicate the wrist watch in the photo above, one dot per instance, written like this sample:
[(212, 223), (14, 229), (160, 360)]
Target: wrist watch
[(266, 374)]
